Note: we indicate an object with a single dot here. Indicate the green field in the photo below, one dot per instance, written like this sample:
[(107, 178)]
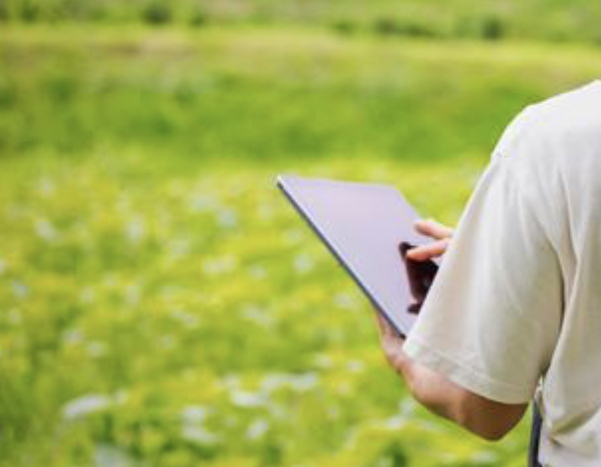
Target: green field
[(161, 305), (551, 20)]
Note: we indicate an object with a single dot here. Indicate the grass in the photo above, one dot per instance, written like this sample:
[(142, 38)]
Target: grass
[(179, 318), (162, 305), (259, 94)]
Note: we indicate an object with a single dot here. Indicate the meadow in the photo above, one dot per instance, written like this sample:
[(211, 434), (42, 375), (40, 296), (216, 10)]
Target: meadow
[(160, 304), (548, 20)]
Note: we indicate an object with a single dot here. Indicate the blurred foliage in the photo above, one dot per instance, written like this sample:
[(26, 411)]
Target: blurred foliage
[(176, 316), (160, 304), (574, 20), (266, 94)]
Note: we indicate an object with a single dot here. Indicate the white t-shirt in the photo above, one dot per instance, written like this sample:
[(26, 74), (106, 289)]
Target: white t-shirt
[(517, 299)]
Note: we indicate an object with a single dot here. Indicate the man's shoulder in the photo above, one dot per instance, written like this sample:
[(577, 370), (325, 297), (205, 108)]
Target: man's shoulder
[(573, 111), (555, 125)]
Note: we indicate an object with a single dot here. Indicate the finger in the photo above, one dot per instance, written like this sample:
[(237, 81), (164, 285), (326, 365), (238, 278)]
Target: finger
[(383, 325), (426, 252), (433, 229), (387, 332)]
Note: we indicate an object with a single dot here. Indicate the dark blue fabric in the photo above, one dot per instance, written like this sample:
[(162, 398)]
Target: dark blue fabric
[(534, 437)]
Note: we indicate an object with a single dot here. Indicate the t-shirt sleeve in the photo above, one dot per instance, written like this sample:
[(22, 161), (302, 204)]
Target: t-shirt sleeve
[(491, 320)]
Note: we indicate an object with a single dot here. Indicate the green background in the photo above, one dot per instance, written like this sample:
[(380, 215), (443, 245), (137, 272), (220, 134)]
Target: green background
[(160, 303)]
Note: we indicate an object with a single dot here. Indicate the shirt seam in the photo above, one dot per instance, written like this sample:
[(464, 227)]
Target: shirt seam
[(464, 374)]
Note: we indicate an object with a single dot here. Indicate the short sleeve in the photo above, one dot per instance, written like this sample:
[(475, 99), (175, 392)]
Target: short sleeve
[(491, 320)]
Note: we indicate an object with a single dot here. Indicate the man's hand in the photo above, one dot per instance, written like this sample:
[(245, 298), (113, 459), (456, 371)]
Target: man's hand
[(392, 344), (484, 417), (391, 341), (441, 234)]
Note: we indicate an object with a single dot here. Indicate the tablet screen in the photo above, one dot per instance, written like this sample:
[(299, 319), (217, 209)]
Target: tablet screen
[(368, 228)]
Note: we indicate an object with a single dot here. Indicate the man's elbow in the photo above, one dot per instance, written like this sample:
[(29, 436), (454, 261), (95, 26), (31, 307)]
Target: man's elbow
[(482, 417), (488, 432), (486, 418)]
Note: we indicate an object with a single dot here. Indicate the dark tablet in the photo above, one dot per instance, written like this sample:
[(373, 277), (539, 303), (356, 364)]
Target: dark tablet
[(368, 228)]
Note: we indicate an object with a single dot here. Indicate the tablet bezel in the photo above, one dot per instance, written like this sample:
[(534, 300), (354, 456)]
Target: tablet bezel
[(283, 181)]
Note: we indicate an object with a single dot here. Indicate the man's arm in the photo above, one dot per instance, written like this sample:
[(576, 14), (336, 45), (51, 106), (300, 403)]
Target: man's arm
[(484, 417)]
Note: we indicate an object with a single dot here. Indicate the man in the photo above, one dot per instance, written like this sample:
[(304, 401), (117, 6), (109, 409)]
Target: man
[(515, 311)]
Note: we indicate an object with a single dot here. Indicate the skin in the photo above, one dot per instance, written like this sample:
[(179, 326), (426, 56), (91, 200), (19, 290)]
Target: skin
[(484, 417)]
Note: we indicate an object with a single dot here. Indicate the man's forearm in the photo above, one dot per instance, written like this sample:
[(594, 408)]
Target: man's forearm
[(430, 389), (486, 418)]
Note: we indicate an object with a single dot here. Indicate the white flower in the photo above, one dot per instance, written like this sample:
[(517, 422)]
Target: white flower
[(187, 319), (86, 405), (46, 187), (231, 381), (485, 457), (14, 316), (304, 382), (323, 360), (87, 295), (45, 230), (257, 272), (221, 265), (106, 455), (72, 336), (345, 301), (257, 429), (257, 315), (96, 349), (193, 429), (247, 399), (265, 211), (194, 413), (355, 366), (134, 230), (293, 236), (303, 263), (201, 203), (396, 422), (299, 382), (166, 342), (133, 294), (92, 403), (198, 434), (227, 218), (179, 247), (20, 290)]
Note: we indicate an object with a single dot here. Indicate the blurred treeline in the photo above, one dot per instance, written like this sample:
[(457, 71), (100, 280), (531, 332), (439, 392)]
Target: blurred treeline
[(491, 20)]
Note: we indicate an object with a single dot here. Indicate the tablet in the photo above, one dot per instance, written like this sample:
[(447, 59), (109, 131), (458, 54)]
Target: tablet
[(368, 228)]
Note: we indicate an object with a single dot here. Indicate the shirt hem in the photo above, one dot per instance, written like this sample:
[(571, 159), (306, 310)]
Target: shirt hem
[(466, 377)]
